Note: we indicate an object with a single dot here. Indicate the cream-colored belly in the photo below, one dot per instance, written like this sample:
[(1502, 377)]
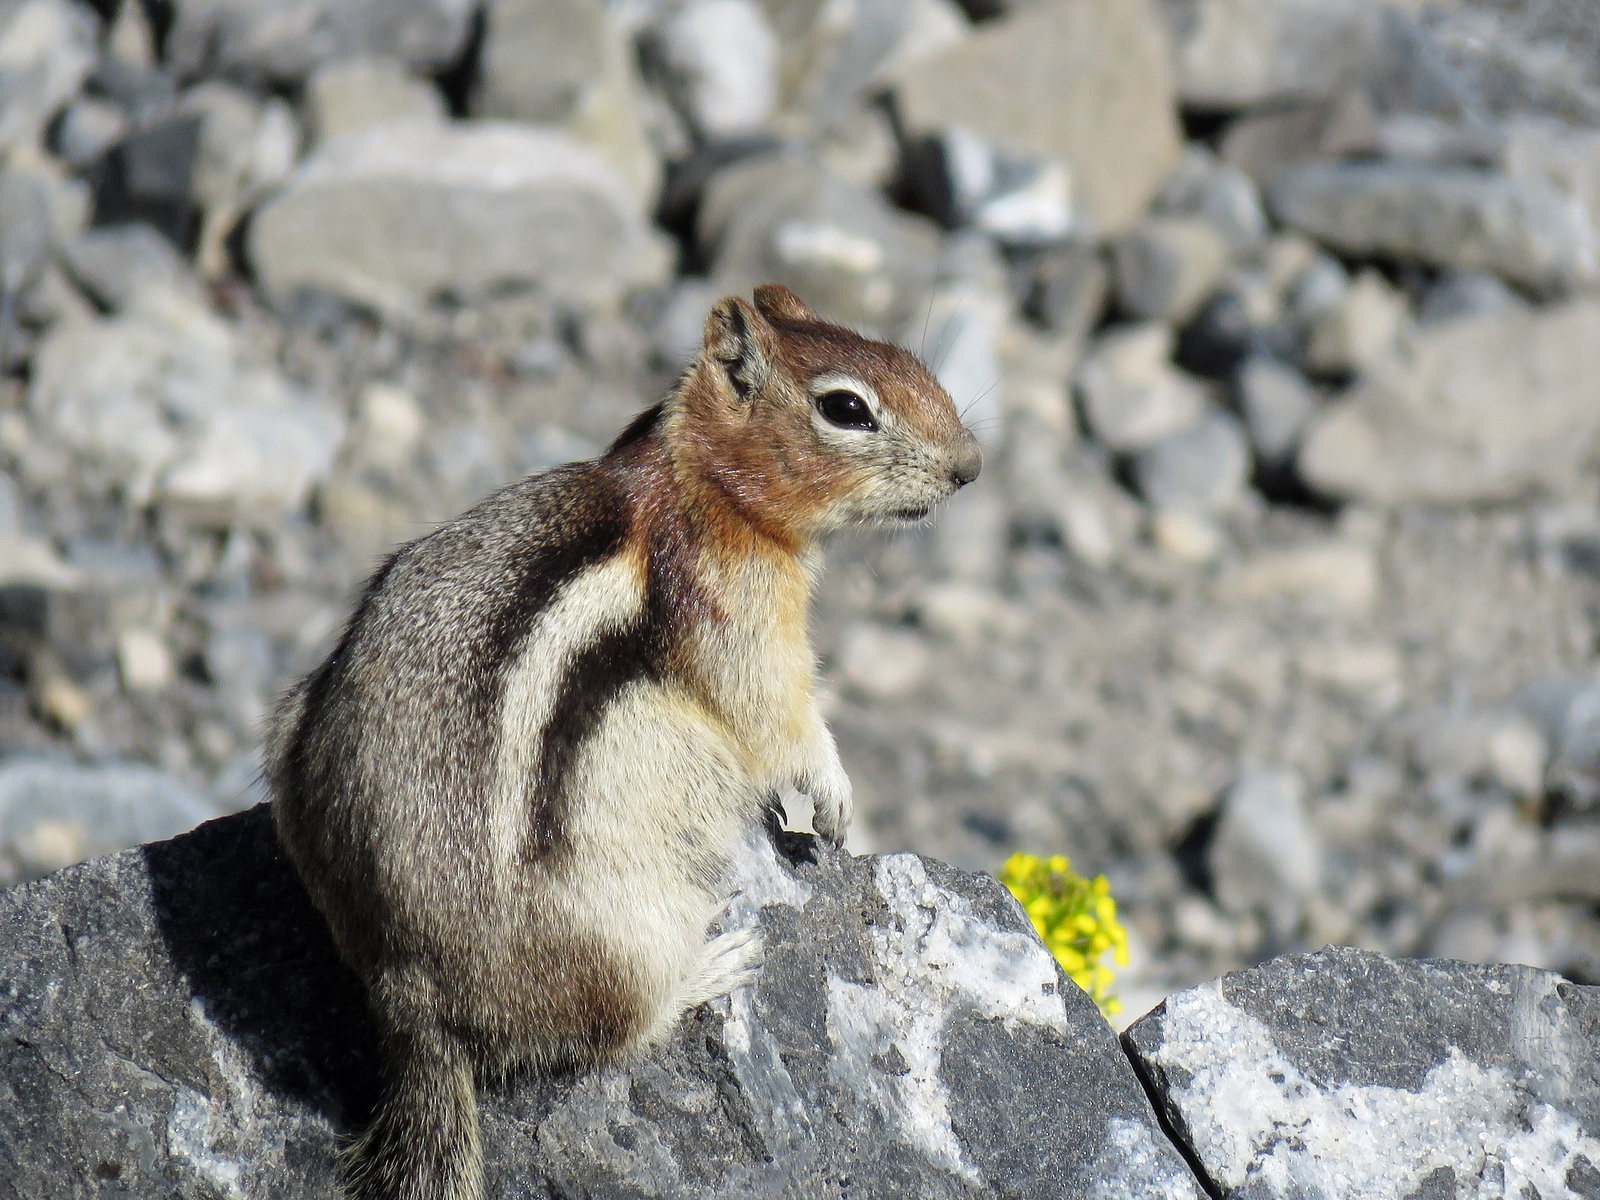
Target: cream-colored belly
[(659, 799)]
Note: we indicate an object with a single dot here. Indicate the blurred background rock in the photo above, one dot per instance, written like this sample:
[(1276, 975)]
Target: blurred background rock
[(1279, 601)]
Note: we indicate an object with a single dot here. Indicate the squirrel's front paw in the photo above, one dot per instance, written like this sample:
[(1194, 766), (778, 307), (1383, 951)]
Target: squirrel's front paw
[(831, 804)]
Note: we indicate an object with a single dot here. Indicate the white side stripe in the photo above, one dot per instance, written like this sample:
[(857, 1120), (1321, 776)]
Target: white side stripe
[(600, 599)]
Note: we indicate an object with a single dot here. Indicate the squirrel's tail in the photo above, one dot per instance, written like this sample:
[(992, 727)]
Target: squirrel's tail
[(423, 1143)]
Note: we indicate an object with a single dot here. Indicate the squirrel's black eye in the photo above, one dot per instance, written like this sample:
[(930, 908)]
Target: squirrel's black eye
[(846, 410)]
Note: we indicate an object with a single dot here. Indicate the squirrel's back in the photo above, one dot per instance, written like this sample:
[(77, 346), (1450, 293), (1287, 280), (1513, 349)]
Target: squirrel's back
[(396, 736)]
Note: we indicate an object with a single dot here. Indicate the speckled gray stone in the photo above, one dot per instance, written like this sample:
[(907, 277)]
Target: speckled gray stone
[(1346, 1075), (1201, 469), (1481, 408), (1521, 229), (408, 210), (173, 1022), (283, 41), (55, 811)]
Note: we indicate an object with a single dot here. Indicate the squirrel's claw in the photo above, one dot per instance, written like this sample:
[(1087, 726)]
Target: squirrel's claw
[(832, 803)]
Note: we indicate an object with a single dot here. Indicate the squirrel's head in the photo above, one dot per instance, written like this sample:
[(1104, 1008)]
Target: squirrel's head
[(808, 426)]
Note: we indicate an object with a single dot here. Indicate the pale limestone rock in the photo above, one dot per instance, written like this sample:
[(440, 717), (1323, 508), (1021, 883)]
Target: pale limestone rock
[(1484, 408), (1085, 82), (397, 214)]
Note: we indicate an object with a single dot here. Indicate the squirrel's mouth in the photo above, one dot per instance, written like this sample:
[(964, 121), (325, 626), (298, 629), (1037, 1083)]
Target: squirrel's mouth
[(911, 515)]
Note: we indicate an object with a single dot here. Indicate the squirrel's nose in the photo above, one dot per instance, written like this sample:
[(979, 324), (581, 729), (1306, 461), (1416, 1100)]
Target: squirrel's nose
[(969, 461)]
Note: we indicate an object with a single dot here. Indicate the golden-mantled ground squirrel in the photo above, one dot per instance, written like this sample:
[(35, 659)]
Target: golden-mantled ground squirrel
[(513, 786)]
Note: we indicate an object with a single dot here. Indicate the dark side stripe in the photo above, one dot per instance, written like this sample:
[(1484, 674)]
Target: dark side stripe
[(595, 678), (546, 570), (541, 572), (639, 428), (472, 661), (601, 671)]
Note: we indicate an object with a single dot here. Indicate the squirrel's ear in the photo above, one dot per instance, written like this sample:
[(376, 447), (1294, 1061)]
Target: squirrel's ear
[(739, 340), (777, 303)]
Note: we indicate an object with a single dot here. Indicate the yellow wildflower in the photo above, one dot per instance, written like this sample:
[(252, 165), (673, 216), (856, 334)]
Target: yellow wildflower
[(1075, 917)]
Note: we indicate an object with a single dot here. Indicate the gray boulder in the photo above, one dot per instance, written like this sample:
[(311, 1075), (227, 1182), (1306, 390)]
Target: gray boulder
[(830, 54), (114, 263), (1131, 394), (1276, 403), (571, 66), (718, 60), (1576, 766), (1484, 408), (175, 1022), (25, 236), (1265, 856), (786, 219), (1457, 294), (243, 148), (1348, 1075), (1218, 192), (965, 329), (1020, 199), (148, 174), (1522, 229), (54, 812), (1265, 142), (1236, 53), (357, 93), (1520, 58), (87, 129), (1084, 82), (397, 214), (1365, 327), (47, 48), (1200, 469), (1068, 290), (283, 41), (1167, 266), (163, 403)]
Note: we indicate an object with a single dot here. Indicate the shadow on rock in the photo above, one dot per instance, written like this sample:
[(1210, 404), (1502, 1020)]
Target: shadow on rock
[(259, 960)]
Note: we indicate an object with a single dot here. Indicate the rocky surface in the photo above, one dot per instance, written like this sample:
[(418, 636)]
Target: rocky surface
[(46, 51), (54, 812), (569, 66), (1277, 324), (787, 218), (160, 401), (175, 1021), (1347, 1074)]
